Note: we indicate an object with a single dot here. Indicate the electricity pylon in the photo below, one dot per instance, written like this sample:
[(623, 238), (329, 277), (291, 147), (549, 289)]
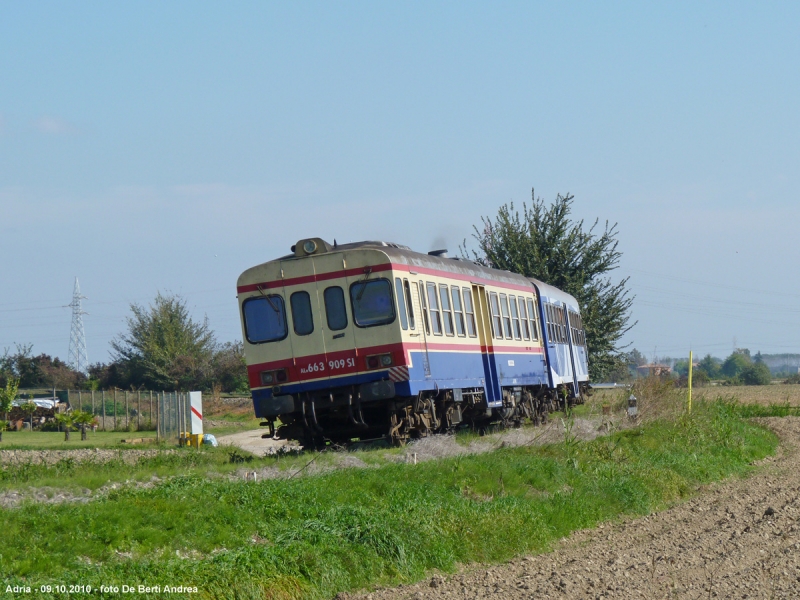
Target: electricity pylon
[(77, 358)]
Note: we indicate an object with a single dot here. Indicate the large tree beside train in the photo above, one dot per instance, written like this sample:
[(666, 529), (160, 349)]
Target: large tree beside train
[(544, 242)]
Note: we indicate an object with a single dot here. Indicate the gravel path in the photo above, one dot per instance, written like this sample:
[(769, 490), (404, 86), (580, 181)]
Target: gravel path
[(737, 539)]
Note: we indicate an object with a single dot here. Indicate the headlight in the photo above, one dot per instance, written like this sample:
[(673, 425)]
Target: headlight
[(310, 246)]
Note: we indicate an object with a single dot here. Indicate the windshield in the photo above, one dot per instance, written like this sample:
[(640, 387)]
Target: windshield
[(264, 319)]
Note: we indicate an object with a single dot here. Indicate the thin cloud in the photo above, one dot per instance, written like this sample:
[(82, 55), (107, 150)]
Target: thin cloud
[(54, 126)]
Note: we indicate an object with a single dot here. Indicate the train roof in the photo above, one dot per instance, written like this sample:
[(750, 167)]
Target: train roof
[(553, 293), (437, 260)]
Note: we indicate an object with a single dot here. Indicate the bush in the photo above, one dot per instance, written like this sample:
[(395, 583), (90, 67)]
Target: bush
[(757, 374), (793, 379)]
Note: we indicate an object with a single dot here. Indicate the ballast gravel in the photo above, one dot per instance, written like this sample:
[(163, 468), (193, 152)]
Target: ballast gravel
[(737, 539)]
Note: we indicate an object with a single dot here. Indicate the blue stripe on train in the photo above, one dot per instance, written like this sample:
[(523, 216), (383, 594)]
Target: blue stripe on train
[(449, 370)]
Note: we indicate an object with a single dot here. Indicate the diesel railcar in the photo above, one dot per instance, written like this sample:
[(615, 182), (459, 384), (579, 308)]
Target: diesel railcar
[(370, 339)]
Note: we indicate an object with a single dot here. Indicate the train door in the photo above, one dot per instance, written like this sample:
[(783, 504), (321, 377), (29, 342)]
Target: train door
[(335, 317), (483, 323), (418, 294), (306, 329)]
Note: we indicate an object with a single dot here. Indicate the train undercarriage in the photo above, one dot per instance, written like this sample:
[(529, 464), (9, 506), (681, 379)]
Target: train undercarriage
[(343, 415)]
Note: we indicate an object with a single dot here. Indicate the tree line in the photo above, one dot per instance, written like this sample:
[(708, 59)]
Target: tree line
[(162, 349), (739, 368)]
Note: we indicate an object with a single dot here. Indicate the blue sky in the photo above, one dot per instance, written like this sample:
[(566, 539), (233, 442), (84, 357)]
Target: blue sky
[(150, 147)]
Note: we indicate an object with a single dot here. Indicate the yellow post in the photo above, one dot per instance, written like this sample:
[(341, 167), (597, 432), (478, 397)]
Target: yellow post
[(690, 382)]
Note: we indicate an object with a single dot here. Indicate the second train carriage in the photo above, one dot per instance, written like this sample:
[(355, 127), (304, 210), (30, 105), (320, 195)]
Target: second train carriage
[(371, 339)]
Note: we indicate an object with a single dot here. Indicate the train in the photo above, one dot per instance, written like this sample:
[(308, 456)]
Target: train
[(371, 340)]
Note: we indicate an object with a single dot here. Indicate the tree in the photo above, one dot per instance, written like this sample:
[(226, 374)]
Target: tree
[(29, 407), (757, 373), (710, 366), (8, 395), (65, 419), (164, 348), (37, 371), (83, 419), (737, 362), (546, 244)]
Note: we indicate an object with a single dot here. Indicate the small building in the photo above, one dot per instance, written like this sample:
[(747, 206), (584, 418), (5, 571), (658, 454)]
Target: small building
[(653, 369)]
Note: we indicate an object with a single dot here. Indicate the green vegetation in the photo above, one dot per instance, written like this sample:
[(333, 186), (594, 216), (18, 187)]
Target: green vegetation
[(309, 537), (53, 440), (547, 244)]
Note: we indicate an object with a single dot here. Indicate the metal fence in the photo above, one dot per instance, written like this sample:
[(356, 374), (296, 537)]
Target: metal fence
[(167, 413)]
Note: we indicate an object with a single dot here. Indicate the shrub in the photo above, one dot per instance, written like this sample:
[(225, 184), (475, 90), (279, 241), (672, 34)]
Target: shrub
[(757, 374)]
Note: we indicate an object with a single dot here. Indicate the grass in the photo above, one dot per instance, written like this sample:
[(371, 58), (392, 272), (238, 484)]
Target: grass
[(355, 528), (54, 440)]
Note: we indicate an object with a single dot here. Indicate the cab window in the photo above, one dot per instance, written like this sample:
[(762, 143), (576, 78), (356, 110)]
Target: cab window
[(372, 302), (301, 313), (335, 311), (264, 319)]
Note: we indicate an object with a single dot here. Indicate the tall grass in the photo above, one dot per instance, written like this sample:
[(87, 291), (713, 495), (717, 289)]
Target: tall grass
[(354, 528)]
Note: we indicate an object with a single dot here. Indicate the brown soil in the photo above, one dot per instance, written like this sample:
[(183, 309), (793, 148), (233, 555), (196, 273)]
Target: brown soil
[(736, 539)]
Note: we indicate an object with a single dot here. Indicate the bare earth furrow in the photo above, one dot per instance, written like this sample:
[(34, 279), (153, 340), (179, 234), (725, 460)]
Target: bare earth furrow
[(736, 539)]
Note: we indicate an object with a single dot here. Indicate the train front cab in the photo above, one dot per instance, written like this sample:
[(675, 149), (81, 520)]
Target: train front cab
[(321, 335)]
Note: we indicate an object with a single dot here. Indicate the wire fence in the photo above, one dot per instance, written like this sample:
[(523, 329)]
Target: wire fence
[(167, 413)]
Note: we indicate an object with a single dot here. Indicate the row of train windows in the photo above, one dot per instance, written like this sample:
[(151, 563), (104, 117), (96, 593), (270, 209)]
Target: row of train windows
[(452, 311), (557, 325), (265, 315), (513, 316), (448, 310)]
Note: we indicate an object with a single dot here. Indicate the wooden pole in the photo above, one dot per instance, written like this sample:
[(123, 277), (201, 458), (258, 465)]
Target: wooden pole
[(103, 399)]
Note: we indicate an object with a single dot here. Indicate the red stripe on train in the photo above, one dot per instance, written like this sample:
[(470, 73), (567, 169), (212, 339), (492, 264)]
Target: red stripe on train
[(252, 287)]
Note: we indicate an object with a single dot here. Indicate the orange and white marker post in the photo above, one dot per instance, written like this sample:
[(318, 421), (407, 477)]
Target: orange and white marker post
[(196, 409)]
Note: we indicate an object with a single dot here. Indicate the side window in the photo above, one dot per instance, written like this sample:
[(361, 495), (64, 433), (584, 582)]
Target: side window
[(523, 316), (548, 315), (497, 324), (469, 312), (264, 319), (335, 311), (410, 304), (433, 305), (423, 303), (301, 313), (515, 326), (372, 302), (401, 302), (562, 317), (506, 316), (532, 317), (447, 313), (458, 311)]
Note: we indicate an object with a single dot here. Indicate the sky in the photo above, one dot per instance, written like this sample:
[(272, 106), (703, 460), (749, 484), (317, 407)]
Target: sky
[(153, 147)]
